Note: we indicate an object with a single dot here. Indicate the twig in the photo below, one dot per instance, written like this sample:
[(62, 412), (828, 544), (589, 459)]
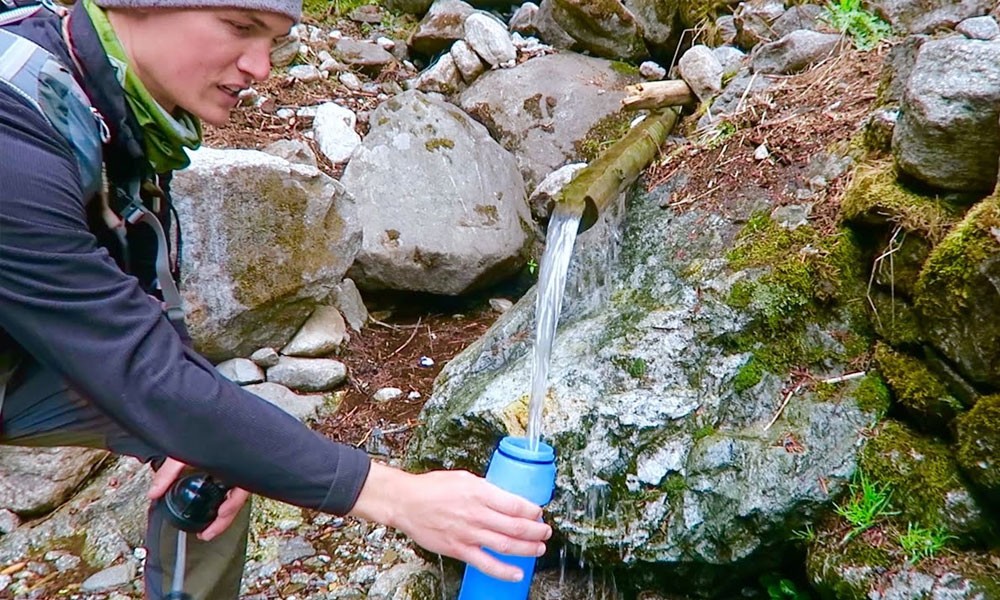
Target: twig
[(848, 377), (416, 328), (784, 403)]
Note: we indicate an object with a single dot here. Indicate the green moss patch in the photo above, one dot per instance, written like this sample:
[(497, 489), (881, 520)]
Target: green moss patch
[(979, 445), (605, 132), (917, 390)]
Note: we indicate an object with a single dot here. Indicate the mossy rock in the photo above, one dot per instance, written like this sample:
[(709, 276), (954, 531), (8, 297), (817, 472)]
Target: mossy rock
[(894, 319), (698, 13), (956, 295), (927, 487), (838, 569), (898, 265), (979, 445), (917, 390)]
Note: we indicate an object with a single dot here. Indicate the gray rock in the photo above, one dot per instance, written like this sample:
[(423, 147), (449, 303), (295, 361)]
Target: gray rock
[(366, 56), (308, 374), (285, 49), (928, 16), (743, 85), (548, 190), (265, 357), (264, 241), (110, 512), (110, 578), (435, 220), (490, 39), (335, 133), (407, 581), (899, 66), (542, 109), (305, 73), (33, 481), (242, 371), (441, 26), (726, 26), (294, 151), (294, 549), (731, 59), (501, 305), (8, 521), (387, 394), (795, 52), (652, 71), (64, 561), (948, 134), (803, 16), (702, 71), (979, 28), (301, 406), (608, 30), (322, 334), (549, 30), (350, 81), (442, 77), (523, 19), (413, 7), (467, 61), (346, 298), (753, 21), (658, 22)]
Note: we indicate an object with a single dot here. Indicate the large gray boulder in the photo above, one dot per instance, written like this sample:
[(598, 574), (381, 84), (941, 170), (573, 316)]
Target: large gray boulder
[(443, 205), (668, 461), (443, 24), (606, 29), (265, 241), (948, 134), (543, 109), (927, 16), (658, 22), (33, 481)]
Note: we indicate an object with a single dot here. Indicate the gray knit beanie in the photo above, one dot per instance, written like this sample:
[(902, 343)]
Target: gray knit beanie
[(290, 8)]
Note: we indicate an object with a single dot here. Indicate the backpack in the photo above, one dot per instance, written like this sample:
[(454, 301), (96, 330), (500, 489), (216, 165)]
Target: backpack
[(50, 87)]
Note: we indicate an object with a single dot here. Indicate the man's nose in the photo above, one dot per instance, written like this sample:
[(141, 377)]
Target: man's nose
[(256, 61)]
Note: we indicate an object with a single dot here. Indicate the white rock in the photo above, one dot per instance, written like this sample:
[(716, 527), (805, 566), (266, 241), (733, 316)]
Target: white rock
[(300, 406), (284, 113), (331, 65), (489, 38), (501, 305), (240, 370), (385, 43), (335, 35), (324, 55), (549, 188), (308, 374), (523, 19), (323, 333), (305, 73), (335, 134), (350, 80), (467, 61), (652, 71), (702, 71), (761, 153), (441, 77), (387, 394), (265, 357)]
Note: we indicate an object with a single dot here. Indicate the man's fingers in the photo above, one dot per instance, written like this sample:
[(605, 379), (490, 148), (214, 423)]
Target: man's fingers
[(513, 505), (489, 565), (517, 527), (228, 510), (164, 477)]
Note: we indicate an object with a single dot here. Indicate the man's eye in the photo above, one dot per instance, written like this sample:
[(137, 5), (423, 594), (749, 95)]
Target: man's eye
[(240, 27)]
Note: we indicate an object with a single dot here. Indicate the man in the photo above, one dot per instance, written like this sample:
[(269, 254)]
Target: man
[(95, 360)]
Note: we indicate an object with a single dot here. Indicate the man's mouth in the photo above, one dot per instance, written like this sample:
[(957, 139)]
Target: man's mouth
[(232, 90)]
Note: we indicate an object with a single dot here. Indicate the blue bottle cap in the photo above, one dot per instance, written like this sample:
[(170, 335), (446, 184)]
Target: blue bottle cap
[(517, 448)]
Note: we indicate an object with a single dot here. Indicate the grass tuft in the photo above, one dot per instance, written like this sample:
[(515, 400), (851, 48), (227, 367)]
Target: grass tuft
[(868, 504)]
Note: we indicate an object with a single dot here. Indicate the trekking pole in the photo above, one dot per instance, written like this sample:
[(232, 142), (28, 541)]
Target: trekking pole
[(192, 504)]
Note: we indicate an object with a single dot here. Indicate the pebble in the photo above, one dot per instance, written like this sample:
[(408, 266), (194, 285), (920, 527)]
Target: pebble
[(387, 394), (652, 71), (425, 362), (350, 80)]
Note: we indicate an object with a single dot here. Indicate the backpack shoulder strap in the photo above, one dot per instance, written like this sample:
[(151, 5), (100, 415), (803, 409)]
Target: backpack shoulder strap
[(46, 84)]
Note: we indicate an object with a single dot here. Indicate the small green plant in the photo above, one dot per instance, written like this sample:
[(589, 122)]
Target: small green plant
[(919, 543), (865, 29), (806, 535), (869, 502), (636, 367), (780, 588), (532, 266)]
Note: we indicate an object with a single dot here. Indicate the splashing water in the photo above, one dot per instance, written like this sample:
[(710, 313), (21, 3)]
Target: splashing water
[(563, 226)]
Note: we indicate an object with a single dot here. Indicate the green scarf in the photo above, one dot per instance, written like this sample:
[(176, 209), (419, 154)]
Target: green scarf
[(165, 136)]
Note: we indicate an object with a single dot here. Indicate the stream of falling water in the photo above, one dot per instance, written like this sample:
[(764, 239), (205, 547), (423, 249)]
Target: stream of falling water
[(563, 226)]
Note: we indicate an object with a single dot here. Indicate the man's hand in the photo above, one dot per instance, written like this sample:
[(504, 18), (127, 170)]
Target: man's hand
[(455, 513), (171, 470)]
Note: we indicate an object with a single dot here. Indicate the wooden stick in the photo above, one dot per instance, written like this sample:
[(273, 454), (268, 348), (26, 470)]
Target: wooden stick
[(657, 94)]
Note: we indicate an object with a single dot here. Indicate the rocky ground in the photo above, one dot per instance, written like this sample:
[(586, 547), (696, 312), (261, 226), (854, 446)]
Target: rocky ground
[(304, 555)]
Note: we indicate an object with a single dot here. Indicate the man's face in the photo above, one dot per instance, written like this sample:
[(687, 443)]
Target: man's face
[(199, 59)]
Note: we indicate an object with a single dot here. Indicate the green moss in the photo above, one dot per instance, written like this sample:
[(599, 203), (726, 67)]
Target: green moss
[(872, 395), (876, 197), (624, 68), (916, 388), (634, 366), (894, 320), (749, 375), (979, 445), (605, 132), (918, 469), (674, 484), (703, 431), (438, 143)]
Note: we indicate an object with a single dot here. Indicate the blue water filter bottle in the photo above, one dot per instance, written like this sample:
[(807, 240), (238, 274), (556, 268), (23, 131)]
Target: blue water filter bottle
[(530, 474)]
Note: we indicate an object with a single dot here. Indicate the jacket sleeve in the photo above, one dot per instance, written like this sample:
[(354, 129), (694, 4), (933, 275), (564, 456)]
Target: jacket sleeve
[(67, 304)]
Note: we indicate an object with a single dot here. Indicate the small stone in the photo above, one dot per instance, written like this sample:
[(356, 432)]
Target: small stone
[(335, 35), (331, 65), (979, 28), (652, 71), (285, 114), (5, 581), (265, 357), (385, 43), (110, 578), (387, 394), (9, 521), (139, 553), (295, 549), (242, 371), (350, 81), (323, 333), (414, 395), (364, 575), (425, 362), (305, 73), (500, 305), (523, 19), (761, 153), (248, 97)]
